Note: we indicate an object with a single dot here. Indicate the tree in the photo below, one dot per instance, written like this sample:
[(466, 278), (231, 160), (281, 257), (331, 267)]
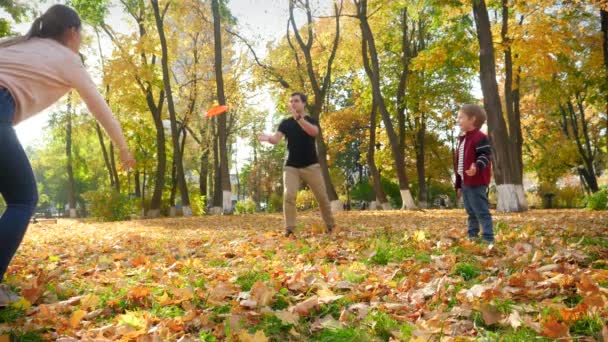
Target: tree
[(372, 69), (223, 192), (177, 154), (510, 191)]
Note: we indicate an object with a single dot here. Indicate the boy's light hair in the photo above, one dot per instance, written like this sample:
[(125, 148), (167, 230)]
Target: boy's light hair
[(475, 111)]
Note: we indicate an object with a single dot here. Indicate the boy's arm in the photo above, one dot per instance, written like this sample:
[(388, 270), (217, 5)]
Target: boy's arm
[(483, 153)]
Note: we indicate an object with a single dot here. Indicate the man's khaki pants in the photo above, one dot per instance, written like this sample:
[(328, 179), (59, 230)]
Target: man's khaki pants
[(313, 177)]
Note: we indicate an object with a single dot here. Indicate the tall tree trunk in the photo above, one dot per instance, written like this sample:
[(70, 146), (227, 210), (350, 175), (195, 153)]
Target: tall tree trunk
[(583, 143), (216, 177), (380, 202), (114, 168), (406, 53), (181, 178), (161, 154), (510, 194), (143, 193), (68, 153), (204, 173), (137, 184), (420, 161), (320, 87), (512, 96), (373, 72), (604, 18), (172, 209), (226, 200), (104, 152)]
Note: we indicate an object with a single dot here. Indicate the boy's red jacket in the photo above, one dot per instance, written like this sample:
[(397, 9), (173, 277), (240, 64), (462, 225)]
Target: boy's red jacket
[(477, 150)]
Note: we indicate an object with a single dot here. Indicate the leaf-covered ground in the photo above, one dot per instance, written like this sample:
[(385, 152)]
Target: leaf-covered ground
[(383, 276)]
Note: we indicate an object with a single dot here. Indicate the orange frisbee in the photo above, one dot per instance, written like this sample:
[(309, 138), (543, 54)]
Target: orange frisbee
[(217, 110)]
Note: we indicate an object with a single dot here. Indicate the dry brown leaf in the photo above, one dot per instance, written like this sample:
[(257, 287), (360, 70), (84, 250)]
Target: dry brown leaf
[(262, 294), (259, 336), (304, 308), (76, 318), (554, 329)]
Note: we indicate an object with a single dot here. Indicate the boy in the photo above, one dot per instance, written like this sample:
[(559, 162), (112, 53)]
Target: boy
[(473, 171)]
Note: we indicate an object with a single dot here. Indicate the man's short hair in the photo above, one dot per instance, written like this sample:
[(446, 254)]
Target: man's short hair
[(302, 96)]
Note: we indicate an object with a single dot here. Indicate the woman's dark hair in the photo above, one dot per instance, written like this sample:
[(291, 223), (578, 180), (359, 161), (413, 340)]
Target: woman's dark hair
[(52, 24)]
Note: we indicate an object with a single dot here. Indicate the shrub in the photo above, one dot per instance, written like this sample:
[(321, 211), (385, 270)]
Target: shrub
[(107, 204), (245, 207), (306, 200), (598, 200)]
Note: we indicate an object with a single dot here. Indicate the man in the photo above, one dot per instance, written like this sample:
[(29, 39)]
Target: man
[(302, 162)]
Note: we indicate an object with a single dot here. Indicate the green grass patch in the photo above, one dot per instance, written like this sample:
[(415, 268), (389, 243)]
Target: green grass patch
[(281, 301), (246, 280), (354, 277), (334, 309), (219, 263), (273, 328), (466, 270), (385, 327), (26, 336), (510, 335), (11, 314), (573, 300), (342, 335), (504, 306), (171, 311), (595, 241), (587, 326)]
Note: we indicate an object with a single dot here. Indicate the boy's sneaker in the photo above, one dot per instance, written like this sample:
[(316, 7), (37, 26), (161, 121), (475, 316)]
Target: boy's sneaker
[(7, 297)]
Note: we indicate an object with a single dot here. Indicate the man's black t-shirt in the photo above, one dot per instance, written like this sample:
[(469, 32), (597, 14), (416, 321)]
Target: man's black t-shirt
[(301, 148)]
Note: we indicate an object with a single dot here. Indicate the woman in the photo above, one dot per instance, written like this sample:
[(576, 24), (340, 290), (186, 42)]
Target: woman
[(36, 70)]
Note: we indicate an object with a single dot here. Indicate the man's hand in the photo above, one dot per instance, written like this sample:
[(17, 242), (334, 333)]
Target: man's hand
[(295, 114), (472, 171), (264, 137)]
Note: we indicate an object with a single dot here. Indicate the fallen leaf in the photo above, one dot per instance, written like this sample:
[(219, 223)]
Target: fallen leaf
[(76, 318), (554, 329), (262, 294), (259, 336), (304, 308), (287, 317)]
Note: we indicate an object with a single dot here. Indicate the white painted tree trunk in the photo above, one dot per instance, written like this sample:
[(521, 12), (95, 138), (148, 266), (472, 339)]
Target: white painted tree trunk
[(408, 200), (73, 213), (187, 211), (423, 204), (153, 213), (227, 201), (511, 198), (387, 206), (336, 205), (215, 211), (373, 205), (172, 212)]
